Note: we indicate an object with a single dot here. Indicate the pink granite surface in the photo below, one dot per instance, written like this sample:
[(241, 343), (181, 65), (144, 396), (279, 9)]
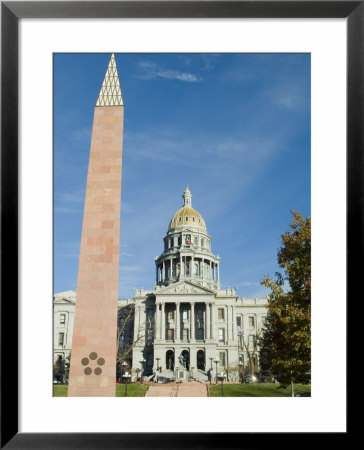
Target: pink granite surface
[(93, 357)]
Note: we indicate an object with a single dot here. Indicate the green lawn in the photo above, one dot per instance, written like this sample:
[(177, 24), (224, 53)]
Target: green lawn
[(256, 390), (134, 390)]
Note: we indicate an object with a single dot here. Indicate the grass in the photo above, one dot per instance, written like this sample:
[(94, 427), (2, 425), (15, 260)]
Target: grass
[(134, 390), (256, 390)]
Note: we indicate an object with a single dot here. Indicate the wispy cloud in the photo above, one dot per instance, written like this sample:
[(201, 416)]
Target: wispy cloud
[(72, 197), (150, 71), (209, 61)]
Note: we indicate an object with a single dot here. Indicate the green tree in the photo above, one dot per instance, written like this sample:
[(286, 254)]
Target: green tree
[(285, 345)]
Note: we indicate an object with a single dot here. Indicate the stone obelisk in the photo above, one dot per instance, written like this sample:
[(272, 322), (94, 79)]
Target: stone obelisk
[(93, 356)]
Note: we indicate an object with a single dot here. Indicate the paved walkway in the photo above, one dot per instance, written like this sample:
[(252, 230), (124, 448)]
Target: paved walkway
[(177, 390)]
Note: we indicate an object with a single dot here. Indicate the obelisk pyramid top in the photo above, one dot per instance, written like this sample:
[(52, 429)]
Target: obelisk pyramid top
[(110, 93)]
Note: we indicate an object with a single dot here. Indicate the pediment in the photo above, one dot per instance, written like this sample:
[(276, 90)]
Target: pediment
[(65, 297), (185, 287)]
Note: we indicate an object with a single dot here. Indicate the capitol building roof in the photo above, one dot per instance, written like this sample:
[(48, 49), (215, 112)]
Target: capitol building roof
[(187, 216)]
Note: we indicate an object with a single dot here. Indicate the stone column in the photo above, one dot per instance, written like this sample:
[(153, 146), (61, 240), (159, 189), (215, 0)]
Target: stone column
[(177, 337), (233, 324), (207, 325), (192, 320), (157, 320), (181, 268), (164, 271), (171, 268), (156, 273), (163, 323), (213, 321), (218, 273)]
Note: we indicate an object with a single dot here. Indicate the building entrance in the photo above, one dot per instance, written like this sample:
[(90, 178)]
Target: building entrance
[(170, 360), (186, 357), (201, 360)]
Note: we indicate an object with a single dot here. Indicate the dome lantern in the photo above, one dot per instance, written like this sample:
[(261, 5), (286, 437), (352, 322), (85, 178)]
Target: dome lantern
[(187, 197)]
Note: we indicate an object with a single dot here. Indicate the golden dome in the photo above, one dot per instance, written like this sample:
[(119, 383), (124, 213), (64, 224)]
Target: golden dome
[(187, 216)]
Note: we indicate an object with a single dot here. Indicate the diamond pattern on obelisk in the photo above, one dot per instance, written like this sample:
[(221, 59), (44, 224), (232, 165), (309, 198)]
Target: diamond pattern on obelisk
[(110, 93), (93, 357)]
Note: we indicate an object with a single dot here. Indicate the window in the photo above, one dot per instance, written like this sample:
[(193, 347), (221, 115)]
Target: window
[(171, 243), (60, 339), (185, 335), (202, 242), (170, 334), (238, 321), (222, 359), (195, 240), (180, 219), (220, 313), (221, 335), (252, 342), (186, 218), (263, 320), (185, 314), (193, 218), (199, 333), (251, 322), (170, 314), (62, 319)]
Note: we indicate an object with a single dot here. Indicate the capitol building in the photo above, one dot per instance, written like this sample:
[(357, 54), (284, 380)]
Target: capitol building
[(187, 327)]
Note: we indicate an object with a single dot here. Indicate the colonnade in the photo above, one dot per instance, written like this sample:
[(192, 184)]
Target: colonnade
[(187, 267), (200, 327)]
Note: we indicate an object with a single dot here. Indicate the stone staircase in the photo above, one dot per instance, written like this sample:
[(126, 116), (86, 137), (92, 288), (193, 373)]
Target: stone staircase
[(199, 375), (165, 375)]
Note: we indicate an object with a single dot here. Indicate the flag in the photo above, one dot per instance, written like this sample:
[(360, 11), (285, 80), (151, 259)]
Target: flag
[(188, 241), (241, 333)]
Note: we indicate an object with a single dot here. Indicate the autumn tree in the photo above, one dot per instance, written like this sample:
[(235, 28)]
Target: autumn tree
[(285, 346), (250, 344), (127, 337)]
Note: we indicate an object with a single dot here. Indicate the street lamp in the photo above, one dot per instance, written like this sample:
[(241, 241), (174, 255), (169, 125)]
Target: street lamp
[(216, 361), (241, 373), (124, 364), (211, 359), (142, 370), (126, 376), (222, 375)]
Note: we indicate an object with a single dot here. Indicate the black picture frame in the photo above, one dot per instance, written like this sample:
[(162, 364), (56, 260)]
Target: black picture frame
[(11, 12)]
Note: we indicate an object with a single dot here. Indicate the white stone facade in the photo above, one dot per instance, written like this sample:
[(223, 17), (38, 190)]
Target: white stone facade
[(188, 314), (63, 317)]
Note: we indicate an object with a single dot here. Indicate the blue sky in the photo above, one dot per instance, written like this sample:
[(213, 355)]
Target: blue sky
[(234, 127)]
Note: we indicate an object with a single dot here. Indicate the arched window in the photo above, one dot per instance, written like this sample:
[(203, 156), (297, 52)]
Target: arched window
[(202, 242)]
